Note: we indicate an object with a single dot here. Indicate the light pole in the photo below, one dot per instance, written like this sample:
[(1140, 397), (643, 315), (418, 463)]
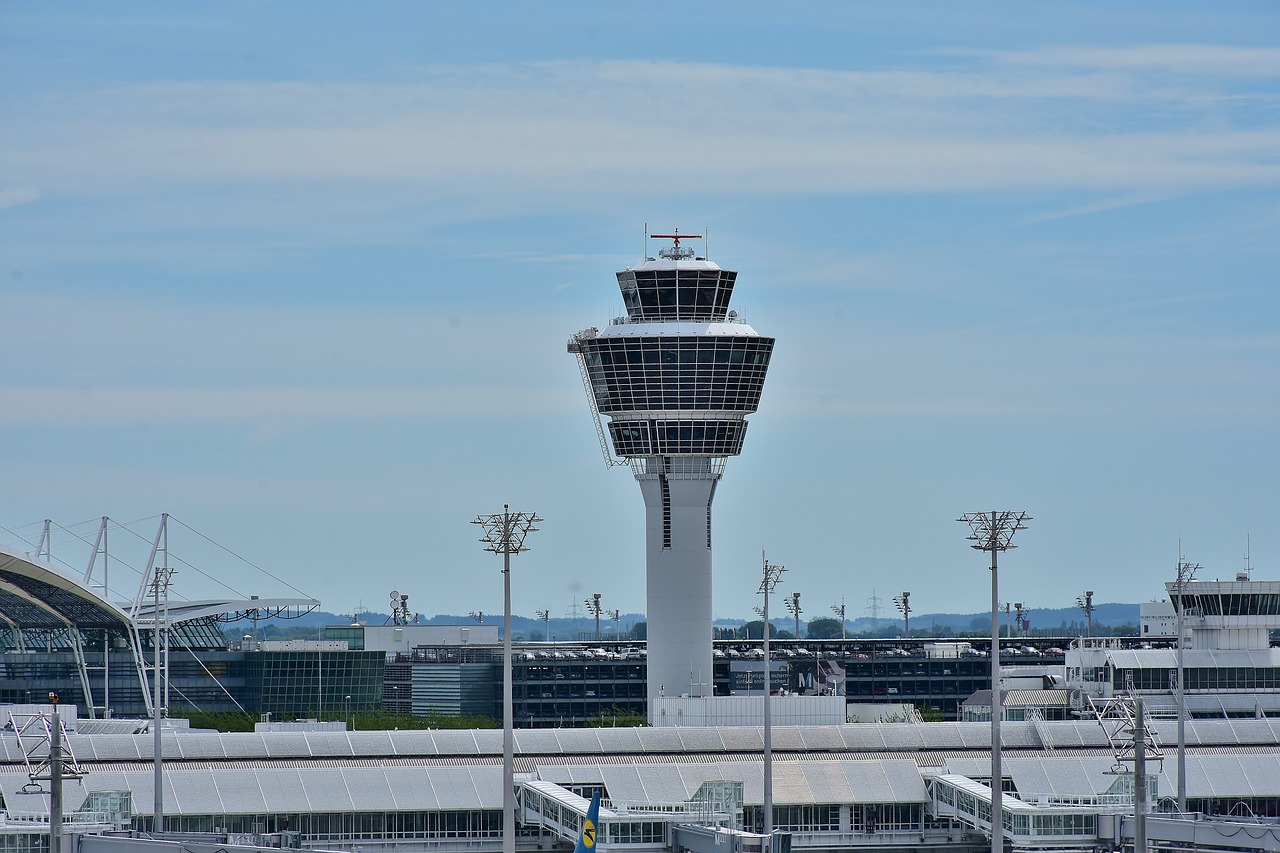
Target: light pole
[(160, 588), (545, 616), (346, 709), (1085, 603), (771, 575), (992, 532), (838, 609), (504, 534), (903, 603), (55, 777), (1021, 620), (594, 608), (616, 616), (1186, 572), (793, 607)]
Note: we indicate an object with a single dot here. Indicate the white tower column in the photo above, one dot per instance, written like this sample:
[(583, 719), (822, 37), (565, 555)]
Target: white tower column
[(678, 559)]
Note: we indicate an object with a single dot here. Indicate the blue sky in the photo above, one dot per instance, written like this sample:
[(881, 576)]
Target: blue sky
[(302, 274)]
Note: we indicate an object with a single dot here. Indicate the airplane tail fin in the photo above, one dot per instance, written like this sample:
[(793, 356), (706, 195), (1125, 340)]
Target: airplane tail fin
[(590, 826)]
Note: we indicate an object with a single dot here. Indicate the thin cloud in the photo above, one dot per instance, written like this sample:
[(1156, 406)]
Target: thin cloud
[(153, 407), (1177, 59), (18, 196), (561, 132)]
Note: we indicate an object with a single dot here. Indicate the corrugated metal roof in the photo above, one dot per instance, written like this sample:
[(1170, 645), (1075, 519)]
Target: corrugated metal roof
[(1036, 699), (479, 744)]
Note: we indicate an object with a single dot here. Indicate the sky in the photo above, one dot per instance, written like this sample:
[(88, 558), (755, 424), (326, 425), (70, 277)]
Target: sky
[(301, 274)]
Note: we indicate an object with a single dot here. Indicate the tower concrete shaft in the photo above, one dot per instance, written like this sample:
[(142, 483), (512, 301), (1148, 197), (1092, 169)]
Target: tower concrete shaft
[(676, 377)]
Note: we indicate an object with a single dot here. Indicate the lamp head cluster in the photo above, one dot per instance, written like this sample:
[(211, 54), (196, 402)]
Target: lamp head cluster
[(504, 532), (593, 605), (903, 603), (793, 604), (992, 531), (772, 574)]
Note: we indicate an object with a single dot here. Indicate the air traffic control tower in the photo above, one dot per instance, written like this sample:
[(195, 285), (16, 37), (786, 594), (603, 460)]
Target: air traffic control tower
[(676, 378)]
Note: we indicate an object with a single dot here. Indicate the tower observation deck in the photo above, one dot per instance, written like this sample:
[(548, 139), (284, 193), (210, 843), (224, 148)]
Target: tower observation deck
[(676, 377)]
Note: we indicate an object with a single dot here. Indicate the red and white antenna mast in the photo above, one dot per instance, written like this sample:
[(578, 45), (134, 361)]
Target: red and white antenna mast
[(676, 253)]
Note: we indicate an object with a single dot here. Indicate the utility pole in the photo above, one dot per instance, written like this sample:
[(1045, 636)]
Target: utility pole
[(504, 534), (992, 532), (873, 606)]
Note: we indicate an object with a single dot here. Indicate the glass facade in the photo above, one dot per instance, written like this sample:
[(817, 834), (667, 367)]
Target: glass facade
[(676, 294), (677, 372), (1209, 679), (1231, 604), (678, 438), (314, 683), (342, 827)]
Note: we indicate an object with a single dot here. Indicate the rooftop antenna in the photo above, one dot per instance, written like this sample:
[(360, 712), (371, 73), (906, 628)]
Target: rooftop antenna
[(1248, 559), (676, 253), (645, 254)]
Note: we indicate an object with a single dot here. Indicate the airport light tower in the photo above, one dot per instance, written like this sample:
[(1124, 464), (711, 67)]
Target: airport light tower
[(676, 377)]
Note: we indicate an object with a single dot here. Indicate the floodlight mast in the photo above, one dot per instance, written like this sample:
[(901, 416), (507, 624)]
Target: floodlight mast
[(595, 609), (903, 603), (1186, 573), (838, 609), (1021, 620), (1085, 603), (793, 607), (504, 534), (771, 575), (992, 532)]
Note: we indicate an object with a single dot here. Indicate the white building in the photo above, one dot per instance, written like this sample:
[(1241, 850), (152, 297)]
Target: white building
[(1229, 666)]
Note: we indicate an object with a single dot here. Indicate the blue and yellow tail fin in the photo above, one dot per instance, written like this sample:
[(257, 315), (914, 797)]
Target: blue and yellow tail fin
[(590, 826)]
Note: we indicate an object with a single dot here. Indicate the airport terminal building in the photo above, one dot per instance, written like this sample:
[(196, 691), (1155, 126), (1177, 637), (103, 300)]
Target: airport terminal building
[(882, 787)]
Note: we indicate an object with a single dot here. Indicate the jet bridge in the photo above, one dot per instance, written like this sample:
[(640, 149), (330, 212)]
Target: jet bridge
[(1028, 826)]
